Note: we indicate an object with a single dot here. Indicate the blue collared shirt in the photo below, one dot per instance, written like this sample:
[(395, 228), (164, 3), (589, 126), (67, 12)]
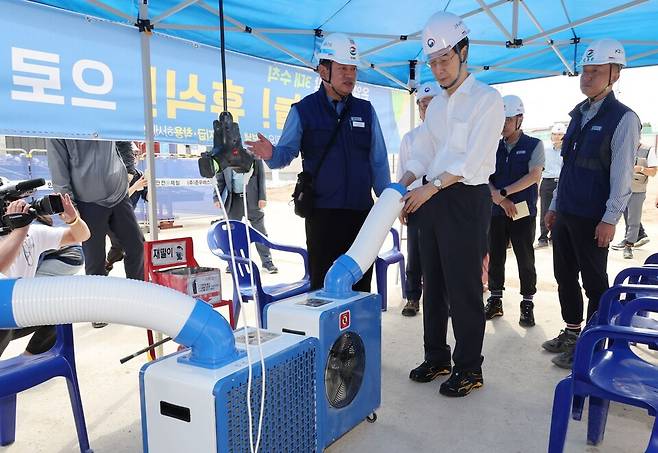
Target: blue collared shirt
[(291, 138)]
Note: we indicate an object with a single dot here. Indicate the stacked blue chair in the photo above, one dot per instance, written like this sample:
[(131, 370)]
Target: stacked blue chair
[(385, 259), (605, 368), (24, 372), (218, 241)]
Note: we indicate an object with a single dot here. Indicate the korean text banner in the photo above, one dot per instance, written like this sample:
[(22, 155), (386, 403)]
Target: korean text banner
[(67, 75)]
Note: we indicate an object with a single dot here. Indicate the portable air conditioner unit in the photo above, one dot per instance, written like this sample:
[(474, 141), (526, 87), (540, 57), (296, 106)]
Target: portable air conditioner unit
[(194, 409), (349, 367)]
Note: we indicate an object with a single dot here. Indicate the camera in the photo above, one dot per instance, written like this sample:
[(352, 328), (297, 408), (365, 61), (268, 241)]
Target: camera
[(227, 151), (48, 205)]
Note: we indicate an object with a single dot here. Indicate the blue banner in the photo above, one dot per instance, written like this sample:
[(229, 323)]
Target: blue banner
[(67, 75)]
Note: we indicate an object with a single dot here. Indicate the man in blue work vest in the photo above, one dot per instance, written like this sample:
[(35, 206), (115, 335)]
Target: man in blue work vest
[(519, 163), (598, 152), (342, 147)]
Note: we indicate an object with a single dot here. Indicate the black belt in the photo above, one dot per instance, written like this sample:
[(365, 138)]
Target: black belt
[(552, 179), (238, 194)]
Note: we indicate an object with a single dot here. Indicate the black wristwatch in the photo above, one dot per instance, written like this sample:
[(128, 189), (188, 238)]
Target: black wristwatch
[(503, 192)]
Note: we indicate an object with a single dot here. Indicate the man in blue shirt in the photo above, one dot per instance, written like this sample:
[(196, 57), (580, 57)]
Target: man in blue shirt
[(342, 147)]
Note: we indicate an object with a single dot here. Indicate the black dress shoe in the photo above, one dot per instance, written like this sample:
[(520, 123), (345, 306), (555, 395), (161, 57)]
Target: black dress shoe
[(427, 371)]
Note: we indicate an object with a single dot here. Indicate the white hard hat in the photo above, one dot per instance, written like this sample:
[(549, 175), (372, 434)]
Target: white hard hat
[(513, 106), (442, 31), (604, 51), (559, 128), (427, 90), (340, 48)]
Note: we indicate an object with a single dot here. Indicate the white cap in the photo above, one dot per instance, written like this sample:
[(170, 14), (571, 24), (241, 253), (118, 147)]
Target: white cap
[(513, 106), (559, 128), (427, 90), (604, 51), (340, 48), (442, 31)]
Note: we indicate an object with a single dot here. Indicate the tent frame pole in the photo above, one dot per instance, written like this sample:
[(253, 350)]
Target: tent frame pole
[(146, 30)]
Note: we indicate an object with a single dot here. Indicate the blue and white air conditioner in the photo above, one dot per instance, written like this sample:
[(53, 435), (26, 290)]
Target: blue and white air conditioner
[(349, 366), (192, 409), (347, 325)]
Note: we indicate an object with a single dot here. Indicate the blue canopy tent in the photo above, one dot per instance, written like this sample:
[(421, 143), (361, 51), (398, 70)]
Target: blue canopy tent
[(510, 39)]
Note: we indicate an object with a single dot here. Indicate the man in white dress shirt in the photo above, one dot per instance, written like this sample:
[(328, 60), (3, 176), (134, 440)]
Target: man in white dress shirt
[(454, 153)]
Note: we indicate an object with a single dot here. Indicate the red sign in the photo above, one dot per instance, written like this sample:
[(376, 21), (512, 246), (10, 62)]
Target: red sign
[(344, 320)]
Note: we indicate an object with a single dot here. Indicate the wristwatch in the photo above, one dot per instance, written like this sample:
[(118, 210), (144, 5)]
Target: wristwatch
[(437, 183), (503, 192)]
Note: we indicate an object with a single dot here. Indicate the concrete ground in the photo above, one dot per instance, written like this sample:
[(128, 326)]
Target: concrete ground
[(510, 414)]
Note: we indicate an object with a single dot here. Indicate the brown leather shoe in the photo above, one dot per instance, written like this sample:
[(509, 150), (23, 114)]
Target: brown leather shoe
[(411, 308)]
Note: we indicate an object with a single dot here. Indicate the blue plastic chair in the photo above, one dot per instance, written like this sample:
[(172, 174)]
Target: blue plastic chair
[(385, 259), (652, 259), (24, 372), (605, 373), (218, 241)]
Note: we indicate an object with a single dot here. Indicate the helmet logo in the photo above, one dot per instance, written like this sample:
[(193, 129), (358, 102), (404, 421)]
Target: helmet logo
[(431, 42), (427, 89), (353, 50), (589, 55)]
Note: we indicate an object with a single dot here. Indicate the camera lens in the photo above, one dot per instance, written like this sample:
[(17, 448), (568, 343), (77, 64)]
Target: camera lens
[(48, 205)]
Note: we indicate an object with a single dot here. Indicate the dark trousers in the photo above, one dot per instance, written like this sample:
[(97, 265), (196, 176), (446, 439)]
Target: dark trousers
[(42, 340), (414, 272), (120, 219), (256, 218), (452, 272), (575, 252), (521, 233), (329, 234), (546, 189)]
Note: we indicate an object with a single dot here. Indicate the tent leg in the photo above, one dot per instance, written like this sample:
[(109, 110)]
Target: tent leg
[(145, 36)]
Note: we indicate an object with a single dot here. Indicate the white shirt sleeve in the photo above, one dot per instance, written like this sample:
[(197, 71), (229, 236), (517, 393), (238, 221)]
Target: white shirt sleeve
[(405, 151), (47, 238), (482, 138), (652, 159), (422, 152)]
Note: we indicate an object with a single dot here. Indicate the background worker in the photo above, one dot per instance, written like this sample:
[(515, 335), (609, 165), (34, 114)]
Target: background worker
[(231, 186), (519, 163), (645, 166), (414, 289), (549, 179), (598, 152)]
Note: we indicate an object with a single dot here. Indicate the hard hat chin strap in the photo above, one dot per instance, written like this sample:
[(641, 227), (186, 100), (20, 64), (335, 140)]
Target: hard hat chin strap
[(342, 97)]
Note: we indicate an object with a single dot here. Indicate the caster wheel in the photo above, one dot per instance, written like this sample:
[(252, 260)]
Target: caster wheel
[(372, 418)]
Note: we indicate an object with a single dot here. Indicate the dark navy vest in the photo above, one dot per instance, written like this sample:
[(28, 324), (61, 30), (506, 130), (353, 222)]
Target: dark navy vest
[(512, 167), (345, 179), (584, 186)]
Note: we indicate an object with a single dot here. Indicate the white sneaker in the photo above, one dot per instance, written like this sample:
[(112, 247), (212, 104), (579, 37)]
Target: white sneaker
[(641, 241)]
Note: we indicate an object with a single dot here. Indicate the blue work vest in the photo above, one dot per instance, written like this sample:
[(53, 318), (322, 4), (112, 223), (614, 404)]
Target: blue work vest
[(345, 178), (584, 186), (512, 166)]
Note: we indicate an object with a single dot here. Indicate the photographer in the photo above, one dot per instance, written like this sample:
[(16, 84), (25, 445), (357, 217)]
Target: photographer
[(19, 257)]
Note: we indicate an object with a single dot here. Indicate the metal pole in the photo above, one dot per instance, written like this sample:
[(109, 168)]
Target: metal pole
[(223, 52), (145, 36)]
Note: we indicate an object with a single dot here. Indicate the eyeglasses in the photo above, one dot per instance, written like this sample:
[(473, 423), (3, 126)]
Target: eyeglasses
[(442, 61)]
